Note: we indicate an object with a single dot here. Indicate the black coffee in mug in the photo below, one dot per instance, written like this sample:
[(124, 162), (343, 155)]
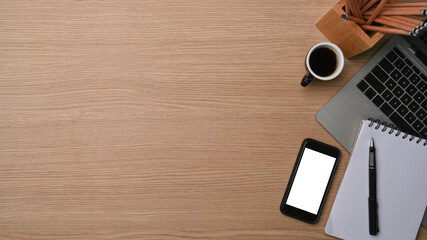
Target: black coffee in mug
[(323, 61)]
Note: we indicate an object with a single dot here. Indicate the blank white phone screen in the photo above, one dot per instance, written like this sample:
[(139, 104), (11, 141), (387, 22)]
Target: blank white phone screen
[(310, 181)]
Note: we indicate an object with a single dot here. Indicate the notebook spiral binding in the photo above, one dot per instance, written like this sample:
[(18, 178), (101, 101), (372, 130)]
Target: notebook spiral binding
[(393, 128)]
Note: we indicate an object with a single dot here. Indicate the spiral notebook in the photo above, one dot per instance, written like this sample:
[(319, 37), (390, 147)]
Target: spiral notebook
[(401, 186)]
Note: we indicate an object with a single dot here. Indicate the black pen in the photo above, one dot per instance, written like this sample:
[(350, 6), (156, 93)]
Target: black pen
[(372, 200)]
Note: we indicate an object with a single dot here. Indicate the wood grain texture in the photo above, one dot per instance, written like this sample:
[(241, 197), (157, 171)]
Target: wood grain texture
[(157, 119)]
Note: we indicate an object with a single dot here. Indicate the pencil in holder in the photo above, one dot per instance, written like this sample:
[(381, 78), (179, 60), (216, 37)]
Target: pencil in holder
[(347, 35)]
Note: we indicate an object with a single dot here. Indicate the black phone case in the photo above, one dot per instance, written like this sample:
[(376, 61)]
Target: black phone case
[(292, 177)]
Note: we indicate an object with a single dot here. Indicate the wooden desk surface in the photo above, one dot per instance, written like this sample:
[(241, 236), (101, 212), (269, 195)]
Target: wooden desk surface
[(157, 119)]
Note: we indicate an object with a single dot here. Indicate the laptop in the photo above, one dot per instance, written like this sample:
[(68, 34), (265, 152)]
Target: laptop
[(391, 87)]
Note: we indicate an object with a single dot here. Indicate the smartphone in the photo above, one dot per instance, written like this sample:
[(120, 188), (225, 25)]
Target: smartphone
[(310, 180)]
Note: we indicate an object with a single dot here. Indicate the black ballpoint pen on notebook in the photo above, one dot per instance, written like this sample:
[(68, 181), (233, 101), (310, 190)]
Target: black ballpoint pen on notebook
[(372, 200)]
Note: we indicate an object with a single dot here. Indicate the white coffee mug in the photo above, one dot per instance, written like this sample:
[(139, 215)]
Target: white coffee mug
[(324, 61)]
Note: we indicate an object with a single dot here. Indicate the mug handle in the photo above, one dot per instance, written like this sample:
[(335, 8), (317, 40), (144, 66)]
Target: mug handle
[(307, 79)]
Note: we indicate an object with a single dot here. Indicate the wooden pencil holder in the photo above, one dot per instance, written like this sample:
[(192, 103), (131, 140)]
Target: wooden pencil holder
[(346, 34)]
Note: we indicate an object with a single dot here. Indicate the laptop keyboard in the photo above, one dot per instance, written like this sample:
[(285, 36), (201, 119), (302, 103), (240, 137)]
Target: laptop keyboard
[(399, 89), (423, 36)]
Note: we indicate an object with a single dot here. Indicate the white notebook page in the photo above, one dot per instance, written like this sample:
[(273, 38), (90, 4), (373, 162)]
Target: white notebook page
[(401, 188)]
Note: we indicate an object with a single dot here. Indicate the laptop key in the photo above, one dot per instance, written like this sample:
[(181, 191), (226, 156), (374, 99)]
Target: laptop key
[(391, 84), (387, 95), (414, 78), (398, 52), (403, 82), (406, 99), (413, 106), (407, 72), (411, 90), (410, 117), (422, 86), (423, 77), (362, 85), (423, 133), (399, 64), (404, 59), (370, 93), (378, 100), (386, 65), (396, 75), (394, 102), (398, 91), (387, 110), (399, 121), (417, 125), (421, 114), (419, 97), (380, 74), (409, 62), (402, 110), (392, 56), (416, 69), (375, 83), (424, 105)]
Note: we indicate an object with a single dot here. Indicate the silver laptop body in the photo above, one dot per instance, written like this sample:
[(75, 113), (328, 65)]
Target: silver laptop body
[(342, 115)]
